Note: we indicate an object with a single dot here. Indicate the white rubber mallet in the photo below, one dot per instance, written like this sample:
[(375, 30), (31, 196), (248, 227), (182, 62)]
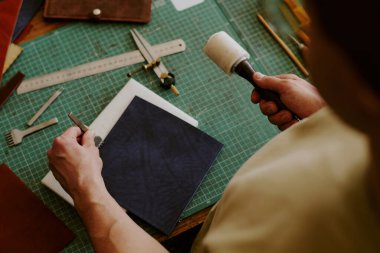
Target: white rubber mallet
[(225, 52)]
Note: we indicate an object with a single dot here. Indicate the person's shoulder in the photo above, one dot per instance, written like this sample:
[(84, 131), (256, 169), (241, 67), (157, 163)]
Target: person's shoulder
[(320, 138), (302, 190), (310, 161)]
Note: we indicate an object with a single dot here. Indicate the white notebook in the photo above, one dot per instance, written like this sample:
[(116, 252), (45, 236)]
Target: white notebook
[(103, 124)]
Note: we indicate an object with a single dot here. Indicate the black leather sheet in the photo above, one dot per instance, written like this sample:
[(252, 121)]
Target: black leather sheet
[(154, 162)]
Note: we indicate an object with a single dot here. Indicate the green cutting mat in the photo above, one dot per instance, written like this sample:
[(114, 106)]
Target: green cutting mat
[(220, 103), (263, 48)]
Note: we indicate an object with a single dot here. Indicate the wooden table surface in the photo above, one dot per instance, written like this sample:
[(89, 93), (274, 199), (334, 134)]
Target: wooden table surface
[(40, 26)]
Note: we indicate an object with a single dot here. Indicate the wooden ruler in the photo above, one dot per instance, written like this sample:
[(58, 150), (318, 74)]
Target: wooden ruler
[(96, 67)]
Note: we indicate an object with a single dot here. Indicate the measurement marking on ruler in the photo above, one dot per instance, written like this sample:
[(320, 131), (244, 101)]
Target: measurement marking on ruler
[(96, 67)]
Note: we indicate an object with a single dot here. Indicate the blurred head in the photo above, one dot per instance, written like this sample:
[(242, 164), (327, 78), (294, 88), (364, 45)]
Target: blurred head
[(345, 59)]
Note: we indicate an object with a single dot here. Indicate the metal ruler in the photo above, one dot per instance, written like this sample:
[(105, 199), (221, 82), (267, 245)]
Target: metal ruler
[(96, 67)]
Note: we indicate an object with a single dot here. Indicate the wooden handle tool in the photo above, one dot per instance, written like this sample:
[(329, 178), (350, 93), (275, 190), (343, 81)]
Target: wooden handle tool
[(283, 45)]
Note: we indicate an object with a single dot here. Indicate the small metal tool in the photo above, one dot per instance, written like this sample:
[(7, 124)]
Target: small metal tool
[(98, 140), (302, 47), (15, 136), (167, 79), (44, 107), (148, 66)]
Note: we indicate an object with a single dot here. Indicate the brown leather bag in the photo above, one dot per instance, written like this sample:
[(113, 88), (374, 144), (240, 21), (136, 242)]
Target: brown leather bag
[(113, 10)]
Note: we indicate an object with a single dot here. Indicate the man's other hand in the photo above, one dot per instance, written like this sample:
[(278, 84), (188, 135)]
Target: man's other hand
[(299, 96)]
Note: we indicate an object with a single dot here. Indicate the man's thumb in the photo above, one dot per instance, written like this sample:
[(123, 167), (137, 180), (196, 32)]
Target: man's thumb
[(269, 82), (88, 139)]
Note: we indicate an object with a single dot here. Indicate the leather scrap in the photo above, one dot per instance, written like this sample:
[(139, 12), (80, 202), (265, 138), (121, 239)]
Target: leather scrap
[(26, 224), (27, 11), (9, 10), (7, 90), (13, 53)]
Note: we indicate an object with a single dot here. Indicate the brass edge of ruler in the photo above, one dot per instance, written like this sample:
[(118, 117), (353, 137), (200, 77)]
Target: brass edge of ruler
[(96, 67)]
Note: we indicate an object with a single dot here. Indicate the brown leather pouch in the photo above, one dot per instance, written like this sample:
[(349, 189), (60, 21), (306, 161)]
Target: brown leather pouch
[(113, 10)]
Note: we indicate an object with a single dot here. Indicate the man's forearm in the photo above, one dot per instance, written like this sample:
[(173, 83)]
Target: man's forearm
[(109, 227)]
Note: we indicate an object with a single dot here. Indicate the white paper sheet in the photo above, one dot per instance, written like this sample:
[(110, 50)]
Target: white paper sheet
[(181, 5)]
